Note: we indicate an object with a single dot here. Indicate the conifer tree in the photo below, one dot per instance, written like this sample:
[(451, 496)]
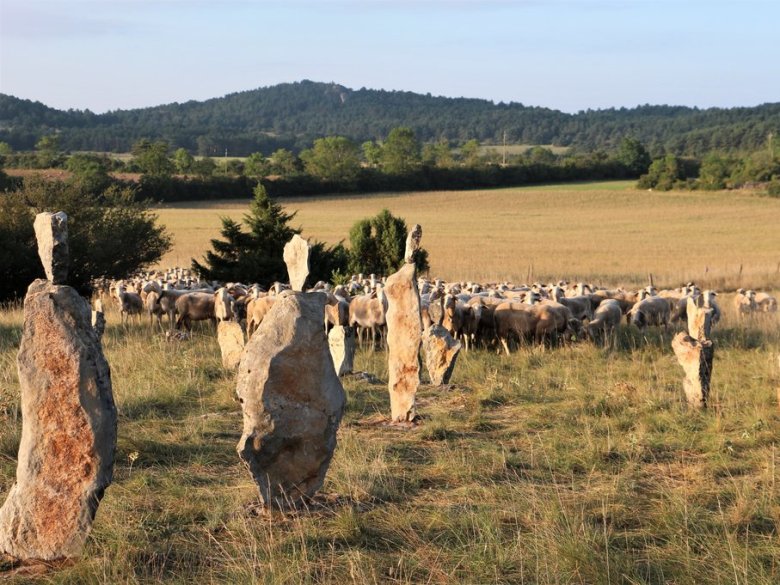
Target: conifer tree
[(256, 255)]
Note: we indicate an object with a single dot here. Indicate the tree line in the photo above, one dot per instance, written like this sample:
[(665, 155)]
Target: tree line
[(113, 233), (333, 164), (716, 171), (293, 115)]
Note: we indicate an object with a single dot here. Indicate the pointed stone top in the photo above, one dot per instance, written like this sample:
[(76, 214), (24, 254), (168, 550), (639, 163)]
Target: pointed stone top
[(413, 243), (51, 231), (296, 256)]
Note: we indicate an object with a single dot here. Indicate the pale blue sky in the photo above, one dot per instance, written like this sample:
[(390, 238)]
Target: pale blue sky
[(564, 54)]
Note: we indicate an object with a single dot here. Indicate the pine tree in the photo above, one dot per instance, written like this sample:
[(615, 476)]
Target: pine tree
[(256, 255)]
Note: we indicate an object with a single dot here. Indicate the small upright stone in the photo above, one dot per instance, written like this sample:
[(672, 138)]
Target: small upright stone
[(699, 320), (230, 337), (292, 401), (404, 330), (695, 353), (296, 256), (51, 232), (412, 243), (695, 357), (341, 341), (99, 323), (441, 351), (66, 452)]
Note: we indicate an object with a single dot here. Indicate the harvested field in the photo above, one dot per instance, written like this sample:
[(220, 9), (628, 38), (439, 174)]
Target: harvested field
[(609, 233)]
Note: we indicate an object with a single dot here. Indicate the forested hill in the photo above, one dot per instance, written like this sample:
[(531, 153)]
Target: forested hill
[(291, 115)]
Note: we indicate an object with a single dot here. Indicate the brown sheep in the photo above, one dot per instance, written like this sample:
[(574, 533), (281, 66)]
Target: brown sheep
[(514, 321), (195, 306), (256, 310), (554, 321), (130, 303)]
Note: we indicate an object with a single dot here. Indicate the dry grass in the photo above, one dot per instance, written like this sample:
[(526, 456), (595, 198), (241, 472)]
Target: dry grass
[(607, 232), (578, 465)]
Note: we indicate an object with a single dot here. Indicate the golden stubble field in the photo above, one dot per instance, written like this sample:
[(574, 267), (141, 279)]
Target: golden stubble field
[(610, 233)]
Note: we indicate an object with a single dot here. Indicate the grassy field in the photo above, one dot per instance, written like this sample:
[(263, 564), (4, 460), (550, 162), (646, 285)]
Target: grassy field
[(609, 233), (574, 465)]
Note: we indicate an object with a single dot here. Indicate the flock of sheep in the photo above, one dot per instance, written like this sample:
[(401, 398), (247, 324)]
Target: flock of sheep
[(476, 314)]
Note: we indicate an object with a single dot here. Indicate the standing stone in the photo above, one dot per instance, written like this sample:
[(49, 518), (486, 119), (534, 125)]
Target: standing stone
[(230, 337), (696, 359), (341, 341), (66, 453), (695, 352), (51, 231), (441, 351), (699, 320), (292, 401), (296, 256), (404, 326), (412, 243)]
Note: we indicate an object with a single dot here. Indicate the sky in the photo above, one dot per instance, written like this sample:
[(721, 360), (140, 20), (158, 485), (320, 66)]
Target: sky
[(569, 55)]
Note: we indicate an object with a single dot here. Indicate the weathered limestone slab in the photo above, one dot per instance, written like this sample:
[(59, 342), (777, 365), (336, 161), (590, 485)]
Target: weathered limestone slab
[(296, 256), (695, 352), (404, 329), (412, 243), (292, 401), (699, 320), (66, 453), (230, 337), (51, 232), (696, 359), (341, 341), (441, 351)]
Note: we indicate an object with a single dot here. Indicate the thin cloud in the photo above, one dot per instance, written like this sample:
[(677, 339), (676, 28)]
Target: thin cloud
[(44, 19)]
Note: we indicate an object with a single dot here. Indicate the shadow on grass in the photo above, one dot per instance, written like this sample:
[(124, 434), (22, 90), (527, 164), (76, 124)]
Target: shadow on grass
[(367, 401), (156, 453), (118, 332)]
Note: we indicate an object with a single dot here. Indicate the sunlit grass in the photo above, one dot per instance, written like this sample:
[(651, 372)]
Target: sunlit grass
[(573, 465)]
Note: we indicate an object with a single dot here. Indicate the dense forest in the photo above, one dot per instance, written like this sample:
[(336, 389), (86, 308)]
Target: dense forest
[(293, 115)]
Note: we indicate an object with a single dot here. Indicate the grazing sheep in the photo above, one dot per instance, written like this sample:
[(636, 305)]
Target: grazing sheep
[(555, 321), (580, 305), (650, 311), (605, 320), (130, 303), (153, 307), (367, 315), (256, 310), (514, 321), (707, 300), (765, 303), (195, 306), (223, 304), (745, 302)]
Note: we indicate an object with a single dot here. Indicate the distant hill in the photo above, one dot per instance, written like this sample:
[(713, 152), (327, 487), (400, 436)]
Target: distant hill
[(292, 115)]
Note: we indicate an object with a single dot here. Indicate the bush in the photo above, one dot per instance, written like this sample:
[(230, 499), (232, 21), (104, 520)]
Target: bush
[(110, 234), (377, 245)]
